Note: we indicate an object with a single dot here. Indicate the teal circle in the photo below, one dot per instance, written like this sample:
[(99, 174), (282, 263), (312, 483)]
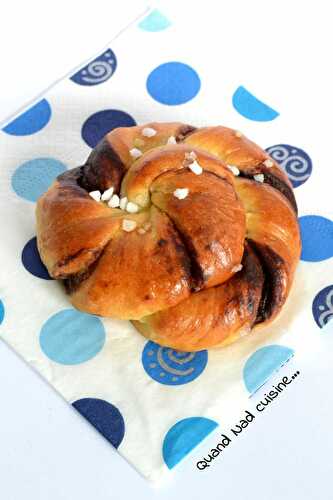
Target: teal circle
[(31, 179), (155, 21), (183, 437), (2, 311), (70, 337)]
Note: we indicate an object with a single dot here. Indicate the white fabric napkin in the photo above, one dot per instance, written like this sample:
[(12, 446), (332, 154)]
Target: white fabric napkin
[(153, 404)]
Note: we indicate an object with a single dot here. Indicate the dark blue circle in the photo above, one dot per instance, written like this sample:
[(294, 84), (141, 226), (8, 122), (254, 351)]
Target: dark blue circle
[(173, 83), (2, 311), (97, 71), (102, 122), (170, 367), (31, 121), (322, 306), (104, 416), (32, 261), (317, 238), (294, 161)]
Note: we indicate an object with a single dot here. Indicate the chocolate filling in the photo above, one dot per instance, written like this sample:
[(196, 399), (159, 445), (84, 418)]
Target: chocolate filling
[(102, 169), (276, 183), (184, 131), (253, 274), (281, 186), (189, 259), (73, 282), (273, 292)]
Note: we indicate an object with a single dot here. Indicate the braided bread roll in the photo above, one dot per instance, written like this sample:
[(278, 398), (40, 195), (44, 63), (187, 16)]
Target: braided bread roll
[(205, 249)]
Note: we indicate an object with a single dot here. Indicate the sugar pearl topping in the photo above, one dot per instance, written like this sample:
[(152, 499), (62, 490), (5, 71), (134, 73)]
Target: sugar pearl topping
[(268, 163), (106, 196), (123, 203), (114, 201), (233, 169), (237, 268), (190, 155), (128, 225), (96, 195), (132, 208), (259, 177), (238, 133), (172, 140), (135, 153), (195, 167), (148, 132), (181, 193)]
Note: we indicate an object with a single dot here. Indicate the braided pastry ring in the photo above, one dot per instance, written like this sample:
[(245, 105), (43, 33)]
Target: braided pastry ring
[(208, 250)]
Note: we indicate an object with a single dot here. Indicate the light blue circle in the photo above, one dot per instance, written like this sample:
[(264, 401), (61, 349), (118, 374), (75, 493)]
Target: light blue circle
[(2, 311), (170, 367), (155, 21), (71, 337), (31, 121), (263, 363), (173, 83), (250, 107), (31, 179), (317, 238), (183, 437)]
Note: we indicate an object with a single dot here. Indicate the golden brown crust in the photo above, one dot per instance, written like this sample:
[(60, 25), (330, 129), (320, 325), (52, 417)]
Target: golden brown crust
[(138, 274), (210, 219), (178, 273), (71, 229), (123, 139), (210, 317)]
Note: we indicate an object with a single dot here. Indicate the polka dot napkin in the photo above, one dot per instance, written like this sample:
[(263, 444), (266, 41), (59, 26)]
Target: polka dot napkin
[(151, 403)]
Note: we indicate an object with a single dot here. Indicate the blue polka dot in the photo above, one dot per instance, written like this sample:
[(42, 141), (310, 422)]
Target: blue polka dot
[(2, 311), (317, 238), (171, 367), (32, 261), (102, 122), (71, 337), (173, 83), (183, 437), (155, 21), (250, 107), (263, 363), (294, 161), (31, 121), (322, 306), (104, 416), (97, 71), (31, 179)]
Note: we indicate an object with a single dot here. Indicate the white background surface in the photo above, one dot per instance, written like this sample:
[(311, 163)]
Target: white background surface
[(46, 449)]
